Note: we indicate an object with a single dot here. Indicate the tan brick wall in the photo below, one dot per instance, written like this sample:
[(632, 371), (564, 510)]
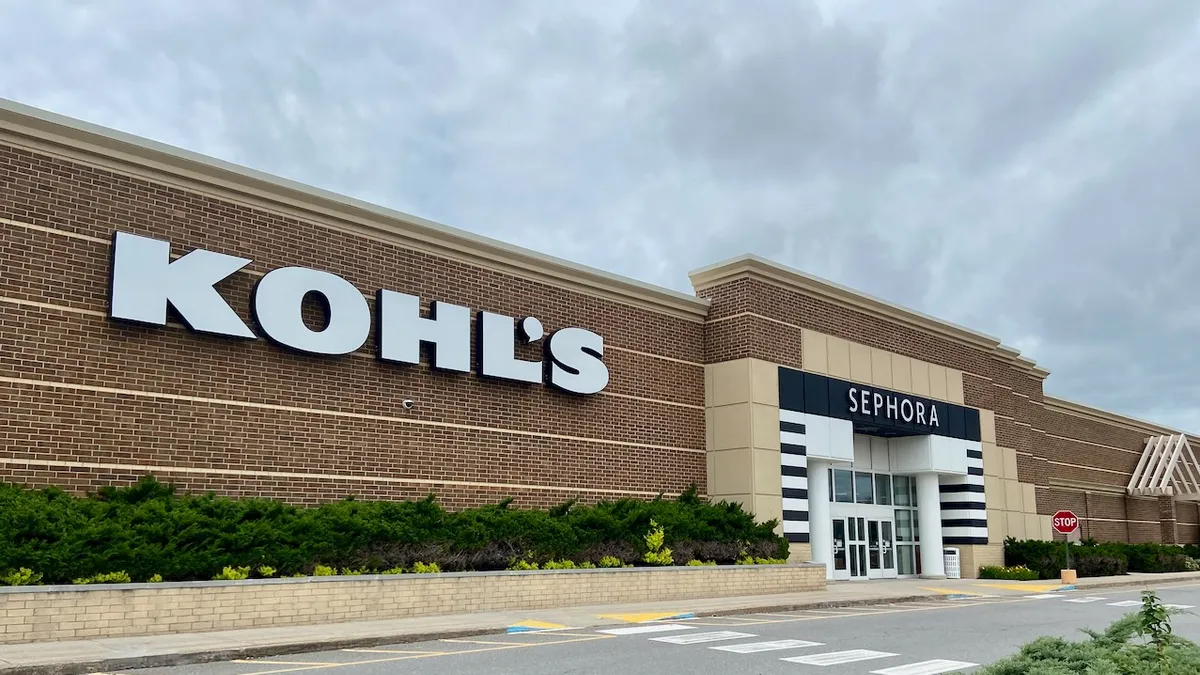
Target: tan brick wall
[(29, 615), (86, 402)]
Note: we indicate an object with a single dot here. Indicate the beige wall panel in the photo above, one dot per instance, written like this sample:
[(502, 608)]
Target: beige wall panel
[(902, 373), (839, 357), (920, 377), (937, 382), (997, 525), (993, 460), (881, 368), (1010, 463), (1014, 498), (730, 382), (814, 352), (767, 475), (993, 492), (954, 386), (731, 426), (1016, 524), (766, 426), (764, 382), (1029, 501), (987, 426), (733, 472), (860, 363)]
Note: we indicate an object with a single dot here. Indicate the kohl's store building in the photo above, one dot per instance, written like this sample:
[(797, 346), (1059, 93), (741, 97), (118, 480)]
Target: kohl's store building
[(166, 313)]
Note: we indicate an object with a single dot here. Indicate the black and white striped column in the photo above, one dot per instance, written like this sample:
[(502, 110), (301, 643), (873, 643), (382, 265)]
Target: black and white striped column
[(794, 473), (964, 511)]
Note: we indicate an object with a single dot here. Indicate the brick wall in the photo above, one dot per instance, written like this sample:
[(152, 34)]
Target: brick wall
[(30, 614), (87, 402)]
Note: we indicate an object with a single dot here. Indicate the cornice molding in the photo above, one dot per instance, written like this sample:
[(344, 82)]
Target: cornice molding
[(1056, 404), (750, 266), (72, 139)]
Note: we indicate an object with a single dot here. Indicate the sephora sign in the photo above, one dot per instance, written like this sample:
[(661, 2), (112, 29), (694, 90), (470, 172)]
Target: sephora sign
[(144, 281)]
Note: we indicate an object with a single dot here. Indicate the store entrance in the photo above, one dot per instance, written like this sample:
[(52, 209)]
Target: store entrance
[(863, 548)]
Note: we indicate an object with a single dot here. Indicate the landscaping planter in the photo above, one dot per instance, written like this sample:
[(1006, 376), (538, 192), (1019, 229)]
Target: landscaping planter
[(39, 613)]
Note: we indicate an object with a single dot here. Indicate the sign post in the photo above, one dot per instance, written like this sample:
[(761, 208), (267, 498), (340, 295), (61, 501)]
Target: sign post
[(1064, 523)]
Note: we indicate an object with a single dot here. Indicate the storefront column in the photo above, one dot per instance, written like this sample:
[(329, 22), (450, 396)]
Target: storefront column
[(820, 525), (929, 517)]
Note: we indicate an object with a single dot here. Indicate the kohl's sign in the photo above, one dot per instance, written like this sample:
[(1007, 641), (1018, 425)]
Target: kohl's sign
[(144, 281), (892, 408)]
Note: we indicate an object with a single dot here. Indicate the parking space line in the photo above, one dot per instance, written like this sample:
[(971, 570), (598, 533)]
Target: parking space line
[(429, 655), (390, 651), (257, 662)]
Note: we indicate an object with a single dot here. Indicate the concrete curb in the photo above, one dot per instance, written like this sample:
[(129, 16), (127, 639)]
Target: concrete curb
[(260, 651)]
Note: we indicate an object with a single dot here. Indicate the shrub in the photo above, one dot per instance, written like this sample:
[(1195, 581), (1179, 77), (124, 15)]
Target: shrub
[(266, 572), (232, 574), (393, 570), (156, 579), (522, 564), (656, 553), (1113, 651), (559, 565), (700, 563), (1017, 573), (148, 528), (109, 578), (425, 568), (324, 571), (21, 577), (1101, 566)]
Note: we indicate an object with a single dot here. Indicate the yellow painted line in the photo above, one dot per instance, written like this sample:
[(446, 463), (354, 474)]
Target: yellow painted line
[(480, 642), (534, 623), (390, 651), (1032, 588), (950, 591), (639, 617), (284, 663), (430, 655)]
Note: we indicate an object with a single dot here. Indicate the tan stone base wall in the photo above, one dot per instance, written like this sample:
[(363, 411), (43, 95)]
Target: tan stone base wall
[(798, 553), (974, 557), (29, 614)]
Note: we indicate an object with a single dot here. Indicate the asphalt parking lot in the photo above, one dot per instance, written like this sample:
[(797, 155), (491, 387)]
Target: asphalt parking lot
[(923, 638)]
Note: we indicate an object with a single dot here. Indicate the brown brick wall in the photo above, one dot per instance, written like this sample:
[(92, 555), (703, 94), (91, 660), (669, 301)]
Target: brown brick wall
[(482, 440)]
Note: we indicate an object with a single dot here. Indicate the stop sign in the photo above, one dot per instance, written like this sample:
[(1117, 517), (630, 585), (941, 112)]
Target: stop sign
[(1064, 522)]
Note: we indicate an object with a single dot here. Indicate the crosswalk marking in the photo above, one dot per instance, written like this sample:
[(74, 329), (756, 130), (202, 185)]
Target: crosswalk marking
[(1179, 606), (755, 647), (1044, 596), (933, 667), (695, 638), (1085, 600), (838, 658), (648, 628), (1125, 603)]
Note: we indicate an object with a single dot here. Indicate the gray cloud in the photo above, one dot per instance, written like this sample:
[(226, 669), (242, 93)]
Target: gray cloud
[(1023, 168)]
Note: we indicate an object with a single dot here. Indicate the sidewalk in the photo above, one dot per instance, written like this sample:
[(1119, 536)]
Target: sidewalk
[(111, 654)]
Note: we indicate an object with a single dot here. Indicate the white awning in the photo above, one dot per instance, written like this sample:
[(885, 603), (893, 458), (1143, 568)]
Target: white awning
[(1168, 467)]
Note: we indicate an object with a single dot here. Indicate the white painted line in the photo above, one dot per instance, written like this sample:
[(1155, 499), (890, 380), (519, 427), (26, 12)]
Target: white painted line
[(1044, 596), (696, 638), (755, 647), (1085, 600), (1125, 603), (837, 658), (1179, 606), (925, 668), (652, 628)]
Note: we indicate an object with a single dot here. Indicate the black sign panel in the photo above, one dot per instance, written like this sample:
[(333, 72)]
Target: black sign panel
[(873, 409)]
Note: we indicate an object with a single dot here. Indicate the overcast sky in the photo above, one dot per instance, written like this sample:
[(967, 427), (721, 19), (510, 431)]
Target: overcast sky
[(1029, 169)]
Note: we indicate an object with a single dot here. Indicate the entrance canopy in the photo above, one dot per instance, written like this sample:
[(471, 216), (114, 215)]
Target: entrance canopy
[(1168, 467)]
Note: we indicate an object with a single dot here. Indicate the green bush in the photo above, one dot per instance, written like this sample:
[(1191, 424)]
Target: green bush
[(21, 577), (1090, 558), (148, 529), (1017, 573), (1138, 644), (156, 579), (109, 578), (426, 568), (232, 574)]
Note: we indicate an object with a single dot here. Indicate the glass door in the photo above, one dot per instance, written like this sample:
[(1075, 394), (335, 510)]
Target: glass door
[(881, 553), (839, 549), (858, 548)]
